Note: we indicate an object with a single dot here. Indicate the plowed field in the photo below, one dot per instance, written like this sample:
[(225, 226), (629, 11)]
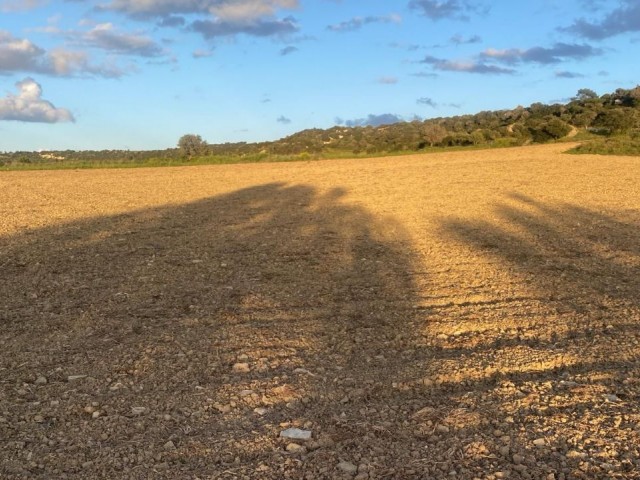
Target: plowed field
[(457, 315)]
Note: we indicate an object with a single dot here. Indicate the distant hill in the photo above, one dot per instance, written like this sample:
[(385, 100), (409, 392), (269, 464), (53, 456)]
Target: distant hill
[(609, 115)]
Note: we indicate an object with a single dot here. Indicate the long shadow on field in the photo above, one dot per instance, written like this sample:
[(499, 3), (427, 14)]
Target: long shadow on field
[(579, 257), (180, 341), (566, 362)]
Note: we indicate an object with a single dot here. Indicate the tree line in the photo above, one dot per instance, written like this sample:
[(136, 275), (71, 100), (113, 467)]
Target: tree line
[(615, 114)]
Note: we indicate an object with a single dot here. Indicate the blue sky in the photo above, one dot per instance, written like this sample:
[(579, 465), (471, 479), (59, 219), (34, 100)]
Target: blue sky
[(138, 74)]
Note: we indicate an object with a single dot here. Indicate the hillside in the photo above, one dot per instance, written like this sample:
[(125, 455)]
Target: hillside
[(615, 114)]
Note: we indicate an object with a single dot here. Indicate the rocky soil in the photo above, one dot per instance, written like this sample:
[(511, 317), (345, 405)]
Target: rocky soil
[(460, 315)]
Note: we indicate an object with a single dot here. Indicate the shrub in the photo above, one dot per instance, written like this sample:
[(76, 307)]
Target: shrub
[(547, 129)]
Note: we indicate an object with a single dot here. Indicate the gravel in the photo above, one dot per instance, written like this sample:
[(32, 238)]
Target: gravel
[(465, 315)]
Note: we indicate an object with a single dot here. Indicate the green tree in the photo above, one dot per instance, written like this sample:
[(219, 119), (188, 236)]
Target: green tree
[(433, 133), (191, 145), (547, 128), (585, 94), (615, 121)]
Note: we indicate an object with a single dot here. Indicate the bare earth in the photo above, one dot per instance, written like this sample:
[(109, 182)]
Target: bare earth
[(457, 315)]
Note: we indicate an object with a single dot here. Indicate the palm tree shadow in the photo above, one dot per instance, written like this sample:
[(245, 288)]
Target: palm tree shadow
[(210, 325)]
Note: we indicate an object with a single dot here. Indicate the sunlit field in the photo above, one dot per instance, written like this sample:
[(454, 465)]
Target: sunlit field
[(469, 312)]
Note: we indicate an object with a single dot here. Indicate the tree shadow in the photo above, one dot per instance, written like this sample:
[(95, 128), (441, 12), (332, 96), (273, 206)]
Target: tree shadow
[(579, 257), (178, 342), (197, 333), (569, 341)]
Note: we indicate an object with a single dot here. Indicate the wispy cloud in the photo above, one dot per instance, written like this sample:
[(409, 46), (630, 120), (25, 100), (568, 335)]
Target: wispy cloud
[(447, 9), (566, 74), (466, 66), (260, 28), (624, 18), (558, 53), (284, 120), (200, 53), (462, 40), (356, 23), (236, 11), (387, 80), (22, 55), (425, 75), (288, 50), (429, 102), (106, 37), (29, 106), (213, 18), (371, 120), (20, 5)]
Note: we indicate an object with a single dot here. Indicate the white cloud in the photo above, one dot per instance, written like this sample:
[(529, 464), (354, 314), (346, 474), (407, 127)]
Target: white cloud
[(356, 23), (215, 18), (236, 11), (29, 106), (106, 37), (388, 80), (20, 5), (249, 10), (22, 55)]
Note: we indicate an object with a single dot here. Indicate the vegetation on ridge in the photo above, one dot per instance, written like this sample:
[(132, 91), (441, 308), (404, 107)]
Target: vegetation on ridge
[(612, 120)]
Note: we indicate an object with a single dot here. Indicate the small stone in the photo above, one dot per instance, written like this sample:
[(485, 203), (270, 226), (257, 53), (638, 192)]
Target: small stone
[(96, 414), (38, 419), (87, 464), (243, 358), (347, 467), (568, 384), (169, 446), (41, 380), (576, 454), (442, 336), (518, 459), (442, 429), (89, 409), (295, 448), (539, 442), (138, 410), (223, 408), (612, 398), (260, 411), (72, 378), (504, 451), (241, 368), (296, 434)]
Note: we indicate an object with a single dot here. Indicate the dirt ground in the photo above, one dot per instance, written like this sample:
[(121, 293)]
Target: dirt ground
[(457, 315)]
